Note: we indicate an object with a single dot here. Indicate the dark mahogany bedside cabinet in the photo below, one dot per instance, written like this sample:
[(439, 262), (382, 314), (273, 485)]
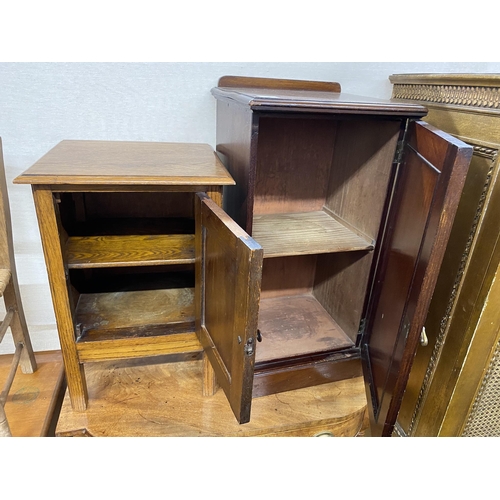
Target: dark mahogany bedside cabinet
[(349, 203)]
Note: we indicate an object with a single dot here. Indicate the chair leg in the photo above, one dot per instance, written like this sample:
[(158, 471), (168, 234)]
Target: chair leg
[(19, 327), (4, 425)]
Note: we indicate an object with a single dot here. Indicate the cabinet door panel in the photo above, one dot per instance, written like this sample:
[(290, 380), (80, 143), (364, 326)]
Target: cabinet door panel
[(228, 280), (426, 196)]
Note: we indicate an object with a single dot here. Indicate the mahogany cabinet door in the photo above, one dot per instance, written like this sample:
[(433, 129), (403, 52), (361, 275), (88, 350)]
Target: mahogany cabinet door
[(227, 292), (426, 195)]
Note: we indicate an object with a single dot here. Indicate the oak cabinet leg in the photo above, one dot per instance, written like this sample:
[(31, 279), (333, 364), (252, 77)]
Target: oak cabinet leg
[(210, 384), (215, 192), (51, 243)]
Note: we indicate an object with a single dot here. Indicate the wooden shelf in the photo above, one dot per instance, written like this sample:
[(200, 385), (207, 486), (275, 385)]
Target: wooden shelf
[(294, 326), (305, 233), (137, 250), (142, 313)]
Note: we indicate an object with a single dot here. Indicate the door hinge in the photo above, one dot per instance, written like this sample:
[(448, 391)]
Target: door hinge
[(398, 157), (249, 347), (361, 331)]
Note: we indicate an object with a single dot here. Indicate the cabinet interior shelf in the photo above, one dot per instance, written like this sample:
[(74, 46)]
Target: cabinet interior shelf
[(125, 250), (305, 233), (137, 313), (298, 325)]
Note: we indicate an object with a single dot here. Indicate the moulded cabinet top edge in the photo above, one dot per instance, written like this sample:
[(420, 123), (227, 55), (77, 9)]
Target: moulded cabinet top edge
[(263, 99), (128, 163)]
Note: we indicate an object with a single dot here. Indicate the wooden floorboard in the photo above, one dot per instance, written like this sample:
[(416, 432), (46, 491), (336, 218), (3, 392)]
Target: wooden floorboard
[(34, 399)]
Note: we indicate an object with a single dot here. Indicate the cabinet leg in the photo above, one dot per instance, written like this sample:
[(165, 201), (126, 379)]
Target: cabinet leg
[(51, 243), (77, 387), (215, 192), (210, 384)]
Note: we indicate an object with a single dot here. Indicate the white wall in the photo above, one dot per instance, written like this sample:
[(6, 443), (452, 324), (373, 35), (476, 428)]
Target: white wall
[(44, 103)]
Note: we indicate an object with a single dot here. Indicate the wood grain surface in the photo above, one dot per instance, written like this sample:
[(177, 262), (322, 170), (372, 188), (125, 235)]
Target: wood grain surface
[(122, 163), (305, 233), (361, 170), (307, 101), (139, 347), (100, 314), (49, 232), (269, 83), (9, 283), (294, 159), (119, 251), (291, 275), (166, 400), (419, 225), (293, 326), (229, 281), (34, 399)]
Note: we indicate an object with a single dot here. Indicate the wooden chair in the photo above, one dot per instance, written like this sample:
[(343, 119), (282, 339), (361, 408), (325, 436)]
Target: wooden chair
[(9, 289)]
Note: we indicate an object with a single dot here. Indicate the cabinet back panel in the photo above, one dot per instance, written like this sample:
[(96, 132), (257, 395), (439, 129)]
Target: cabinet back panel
[(282, 276), (362, 163), (111, 205), (106, 280), (91, 214), (340, 286), (294, 157)]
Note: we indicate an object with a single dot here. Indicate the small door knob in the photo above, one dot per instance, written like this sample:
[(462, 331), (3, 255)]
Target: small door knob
[(423, 337)]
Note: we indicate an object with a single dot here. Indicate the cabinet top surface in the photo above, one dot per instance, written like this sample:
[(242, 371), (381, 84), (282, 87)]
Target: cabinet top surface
[(127, 163), (260, 99)]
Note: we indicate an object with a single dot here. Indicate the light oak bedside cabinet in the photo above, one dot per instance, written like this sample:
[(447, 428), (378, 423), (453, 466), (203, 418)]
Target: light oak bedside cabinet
[(117, 227)]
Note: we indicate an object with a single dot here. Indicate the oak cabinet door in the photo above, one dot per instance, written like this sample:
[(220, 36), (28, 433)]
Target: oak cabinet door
[(228, 278), (426, 195)]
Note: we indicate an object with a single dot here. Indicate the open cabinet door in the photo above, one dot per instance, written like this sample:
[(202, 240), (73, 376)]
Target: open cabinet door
[(428, 188), (228, 278)]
